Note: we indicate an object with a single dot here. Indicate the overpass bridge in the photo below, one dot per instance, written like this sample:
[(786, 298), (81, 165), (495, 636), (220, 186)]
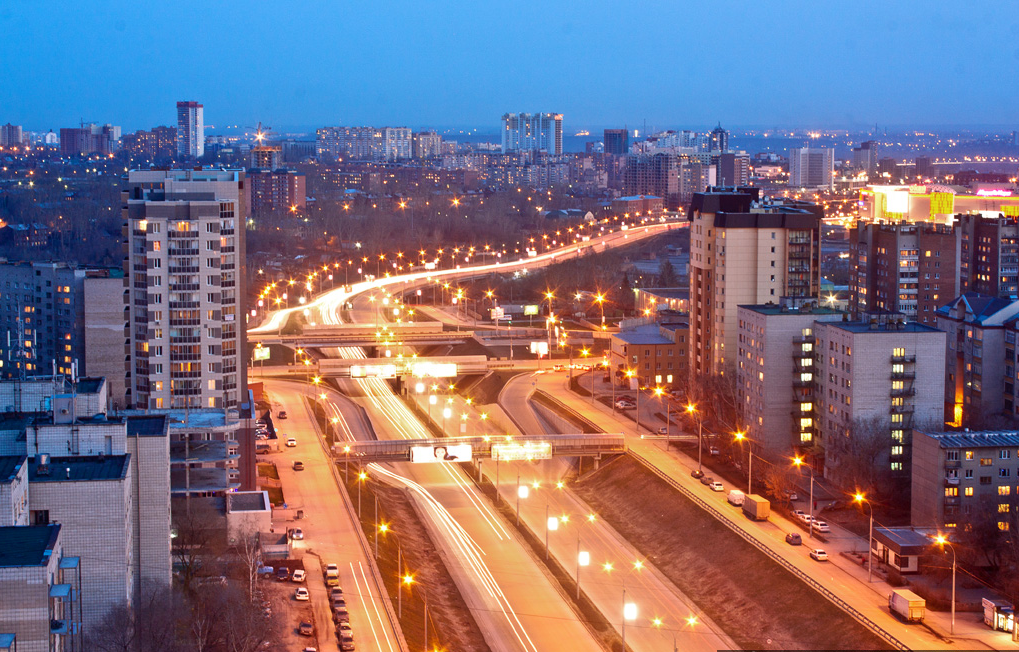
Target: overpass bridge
[(412, 334), (464, 449)]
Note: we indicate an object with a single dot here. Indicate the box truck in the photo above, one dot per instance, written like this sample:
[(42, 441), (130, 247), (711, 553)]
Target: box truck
[(908, 605), (756, 507)]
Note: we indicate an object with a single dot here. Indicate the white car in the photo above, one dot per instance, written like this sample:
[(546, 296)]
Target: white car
[(716, 486), (818, 555), (297, 534), (298, 576), (821, 526), (302, 594), (291, 442)]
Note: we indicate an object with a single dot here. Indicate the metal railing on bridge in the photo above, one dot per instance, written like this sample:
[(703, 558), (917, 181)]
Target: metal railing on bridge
[(464, 449)]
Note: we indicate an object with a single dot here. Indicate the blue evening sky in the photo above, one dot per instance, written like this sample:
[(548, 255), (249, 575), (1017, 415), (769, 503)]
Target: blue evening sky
[(422, 63)]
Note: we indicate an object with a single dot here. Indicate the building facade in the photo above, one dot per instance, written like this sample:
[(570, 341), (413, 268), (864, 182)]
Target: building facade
[(811, 167), (652, 174), (656, 353), (532, 132), (157, 144), (190, 130), (616, 142), (11, 135), (185, 288), (868, 397), (774, 249), (426, 144), (776, 376), (277, 191), (963, 477)]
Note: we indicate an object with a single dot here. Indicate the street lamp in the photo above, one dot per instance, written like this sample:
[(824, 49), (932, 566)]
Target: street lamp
[(583, 557), (750, 461), (860, 498), (523, 491), (942, 541), (660, 393), (798, 462), (629, 613), (691, 409)]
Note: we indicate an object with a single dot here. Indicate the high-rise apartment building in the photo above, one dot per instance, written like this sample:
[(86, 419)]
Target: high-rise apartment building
[(905, 268), (744, 251), (276, 191), (10, 135), (426, 144), (185, 288), (397, 143), (776, 375), (190, 130), (616, 142), (89, 139), (652, 174), (532, 132), (989, 248), (157, 144), (718, 140), (266, 157), (865, 157), (364, 143), (811, 167), (868, 398), (733, 169), (694, 177)]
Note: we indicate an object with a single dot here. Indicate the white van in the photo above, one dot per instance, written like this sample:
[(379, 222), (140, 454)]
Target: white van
[(736, 497)]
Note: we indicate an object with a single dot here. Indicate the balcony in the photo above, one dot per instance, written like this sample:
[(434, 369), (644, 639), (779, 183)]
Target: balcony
[(902, 409), (951, 500), (950, 481), (904, 392), (189, 269), (906, 358), (952, 464)]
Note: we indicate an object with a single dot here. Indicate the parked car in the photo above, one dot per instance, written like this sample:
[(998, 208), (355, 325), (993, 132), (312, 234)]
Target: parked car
[(346, 641), (282, 414), (302, 594), (345, 627), (821, 526), (664, 430), (805, 518), (297, 533), (697, 473), (791, 495), (793, 539), (818, 555), (306, 628), (298, 465), (713, 450), (340, 614), (706, 480), (625, 405), (298, 576), (291, 442), (335, 591), (310, 649), (716, 486), (260, 423), (338, 601), (283, 573)]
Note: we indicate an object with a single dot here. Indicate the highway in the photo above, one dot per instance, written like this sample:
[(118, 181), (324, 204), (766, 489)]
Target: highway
[(327, 537), (846, 579)]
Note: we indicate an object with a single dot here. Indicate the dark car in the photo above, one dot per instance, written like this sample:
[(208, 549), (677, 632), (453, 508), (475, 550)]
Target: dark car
[(707, 479), (306, 629), (282, 414), (283, 573), (298, 465), (794, 539), (697, 473)]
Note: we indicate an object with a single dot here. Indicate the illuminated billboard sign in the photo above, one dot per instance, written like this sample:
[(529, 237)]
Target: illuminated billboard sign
[(530, 310), (521, 451), (439, 453), (261, 353)]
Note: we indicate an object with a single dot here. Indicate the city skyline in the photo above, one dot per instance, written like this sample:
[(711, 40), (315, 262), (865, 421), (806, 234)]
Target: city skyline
[(336, 73)]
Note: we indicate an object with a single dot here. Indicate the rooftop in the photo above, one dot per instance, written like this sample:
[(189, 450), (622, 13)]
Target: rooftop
[(27, 545), (648, 334), (805, 309), (80, 469), (9, 467), (963, 439), (147, 425), (196, 419), (248, 501), (865, 327), (903, 541)]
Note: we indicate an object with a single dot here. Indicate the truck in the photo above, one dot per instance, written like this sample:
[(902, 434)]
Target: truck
[(908, 605), (736, 497), (756, 507)]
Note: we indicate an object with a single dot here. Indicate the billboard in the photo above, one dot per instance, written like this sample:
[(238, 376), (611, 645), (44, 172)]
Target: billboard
[(521, 451), (439, 453), (434, 369), (261, 353), (373, 371), (540, 348), (530, 310), (497, 313)]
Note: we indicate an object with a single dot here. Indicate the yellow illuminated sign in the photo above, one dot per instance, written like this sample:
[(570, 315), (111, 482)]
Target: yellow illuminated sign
[(942, 203), (517, 452)]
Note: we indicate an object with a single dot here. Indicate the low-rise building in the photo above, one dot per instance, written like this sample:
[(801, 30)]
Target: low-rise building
[(247, 513), (655, 353)]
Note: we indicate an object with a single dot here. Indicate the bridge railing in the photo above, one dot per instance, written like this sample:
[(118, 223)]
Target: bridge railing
[(481, 447)]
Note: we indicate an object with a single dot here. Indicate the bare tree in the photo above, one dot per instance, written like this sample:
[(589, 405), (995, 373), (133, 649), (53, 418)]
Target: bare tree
[(193, 541), (114, 633), (249, 555), (859, 461)]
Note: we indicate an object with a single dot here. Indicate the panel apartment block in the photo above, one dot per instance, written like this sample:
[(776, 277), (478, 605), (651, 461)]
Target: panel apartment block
[(868, 375), (774, 253)]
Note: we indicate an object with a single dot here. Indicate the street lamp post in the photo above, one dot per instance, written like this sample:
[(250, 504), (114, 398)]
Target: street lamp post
[(943, 541), (798, 461), (750, 461), (860, 498), (583, 557), (692, 409)]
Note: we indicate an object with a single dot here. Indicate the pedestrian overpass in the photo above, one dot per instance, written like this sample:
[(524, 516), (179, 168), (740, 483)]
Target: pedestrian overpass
[(498, 447)]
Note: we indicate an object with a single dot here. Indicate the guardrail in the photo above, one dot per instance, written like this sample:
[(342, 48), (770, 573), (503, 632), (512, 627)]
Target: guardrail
[(806, 579), (567, 411)]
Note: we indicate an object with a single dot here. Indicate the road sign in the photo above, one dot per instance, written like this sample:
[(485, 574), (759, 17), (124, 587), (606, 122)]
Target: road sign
[(431, 454)]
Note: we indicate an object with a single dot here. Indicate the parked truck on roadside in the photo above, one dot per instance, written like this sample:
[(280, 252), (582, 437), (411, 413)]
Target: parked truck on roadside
[(736, 497), (908, 605), (756, 507)]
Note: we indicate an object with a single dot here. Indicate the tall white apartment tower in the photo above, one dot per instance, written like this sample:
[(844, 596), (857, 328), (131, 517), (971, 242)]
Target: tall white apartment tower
[(532, 132), (811, 167), (190, 129), (184, 277)]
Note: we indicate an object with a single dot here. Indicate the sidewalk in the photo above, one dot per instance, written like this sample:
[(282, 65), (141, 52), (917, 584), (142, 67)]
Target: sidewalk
[(845, 578)]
